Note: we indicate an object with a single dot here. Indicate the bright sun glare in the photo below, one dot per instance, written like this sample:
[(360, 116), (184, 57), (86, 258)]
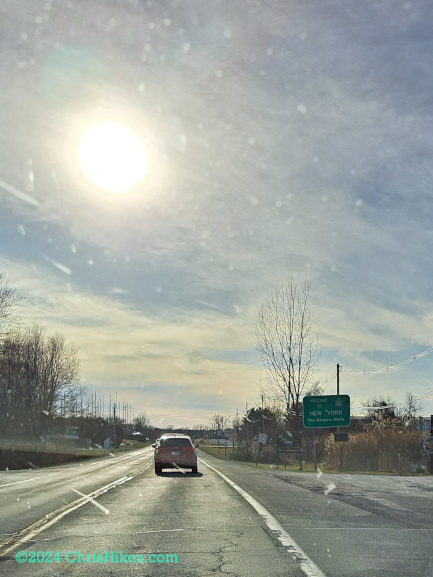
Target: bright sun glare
[(112, 157)]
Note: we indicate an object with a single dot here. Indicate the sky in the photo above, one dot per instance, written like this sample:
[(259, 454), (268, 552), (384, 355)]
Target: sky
[(284, 140)]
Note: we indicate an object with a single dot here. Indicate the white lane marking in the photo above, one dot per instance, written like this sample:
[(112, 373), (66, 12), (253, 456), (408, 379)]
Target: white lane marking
[(16, 483), (357, 528), (45, 522), (306, 564)]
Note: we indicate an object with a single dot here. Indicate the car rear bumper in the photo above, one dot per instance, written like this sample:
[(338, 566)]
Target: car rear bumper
[(179, 462), (176, 465)]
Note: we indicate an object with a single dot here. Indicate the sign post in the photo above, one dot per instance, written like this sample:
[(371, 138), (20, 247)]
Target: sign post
[(219, 434), (431, 444), (328, 411), (262, 438)]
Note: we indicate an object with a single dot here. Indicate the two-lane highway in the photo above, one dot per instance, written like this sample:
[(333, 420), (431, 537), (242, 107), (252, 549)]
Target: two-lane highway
[(199, 519), (230, 519)]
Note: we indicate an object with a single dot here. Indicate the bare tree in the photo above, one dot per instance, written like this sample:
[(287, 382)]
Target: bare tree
[(199, 427), (9, 298), (315, 390), (61, 371), (216, 422), (141, 422), (39, 377), (287, 350), (411, 408)]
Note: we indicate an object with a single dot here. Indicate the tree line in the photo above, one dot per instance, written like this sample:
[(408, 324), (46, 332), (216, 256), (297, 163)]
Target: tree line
[(39, 372)]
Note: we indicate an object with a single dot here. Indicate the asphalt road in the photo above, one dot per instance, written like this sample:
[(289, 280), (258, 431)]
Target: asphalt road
[(229, 519)]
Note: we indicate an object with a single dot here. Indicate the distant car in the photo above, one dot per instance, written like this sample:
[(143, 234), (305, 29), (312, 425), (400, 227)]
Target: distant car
[(174, 451)]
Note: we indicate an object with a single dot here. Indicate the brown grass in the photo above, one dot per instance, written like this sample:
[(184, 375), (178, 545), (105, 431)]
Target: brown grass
[(387, 449)]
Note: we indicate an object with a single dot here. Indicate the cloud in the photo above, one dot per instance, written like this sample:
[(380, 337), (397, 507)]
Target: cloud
[(297, 146), (119, 345)]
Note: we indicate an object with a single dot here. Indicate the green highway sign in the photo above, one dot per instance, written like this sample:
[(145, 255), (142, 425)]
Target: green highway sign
[(326, 411)]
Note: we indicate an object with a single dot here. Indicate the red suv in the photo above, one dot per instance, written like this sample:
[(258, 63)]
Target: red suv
[(174, 451)]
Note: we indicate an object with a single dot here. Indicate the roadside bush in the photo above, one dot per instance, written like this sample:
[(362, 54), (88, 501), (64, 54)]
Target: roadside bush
[(308, 448), (243, 452), (386, 446), (247, 451)]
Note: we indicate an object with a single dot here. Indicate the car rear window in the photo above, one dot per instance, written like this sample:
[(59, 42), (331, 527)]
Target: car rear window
[(175, 442)]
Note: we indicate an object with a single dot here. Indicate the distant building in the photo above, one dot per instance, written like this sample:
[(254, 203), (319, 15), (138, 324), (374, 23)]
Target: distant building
[(423, 425)]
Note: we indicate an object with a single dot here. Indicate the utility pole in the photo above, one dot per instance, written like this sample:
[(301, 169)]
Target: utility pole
[(263, 418), (339, 428), (338, 379), (114, 417), (431, 434)]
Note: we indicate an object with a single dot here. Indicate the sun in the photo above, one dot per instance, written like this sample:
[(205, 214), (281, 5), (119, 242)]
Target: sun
[(112, 157)]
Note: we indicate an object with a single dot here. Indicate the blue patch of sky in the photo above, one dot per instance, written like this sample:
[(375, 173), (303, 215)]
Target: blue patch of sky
[(383, 277), (391, 358), (149, 282), (392, 57), (328, 355)]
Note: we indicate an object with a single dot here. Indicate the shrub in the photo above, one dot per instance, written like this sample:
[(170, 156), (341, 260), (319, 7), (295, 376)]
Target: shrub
[(387, 445)]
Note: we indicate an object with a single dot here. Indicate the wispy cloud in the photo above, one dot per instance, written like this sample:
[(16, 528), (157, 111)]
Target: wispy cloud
[(297, 146)]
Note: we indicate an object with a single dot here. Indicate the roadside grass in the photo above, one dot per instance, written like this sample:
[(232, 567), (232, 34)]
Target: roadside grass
[(292, 465), (218, 452), (24, 454), (133, 445), (101, 452)]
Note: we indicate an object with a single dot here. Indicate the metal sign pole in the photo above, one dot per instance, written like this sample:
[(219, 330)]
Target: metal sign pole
[(339, 428), (314, 450), (431, 434)]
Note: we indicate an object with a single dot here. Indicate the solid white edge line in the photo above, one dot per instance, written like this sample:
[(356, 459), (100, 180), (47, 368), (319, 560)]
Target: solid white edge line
[(307, 565)]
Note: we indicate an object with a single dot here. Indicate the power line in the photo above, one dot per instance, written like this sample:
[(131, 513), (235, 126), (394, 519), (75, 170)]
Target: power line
[(393, 405), (332, 377), (393, 367)]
